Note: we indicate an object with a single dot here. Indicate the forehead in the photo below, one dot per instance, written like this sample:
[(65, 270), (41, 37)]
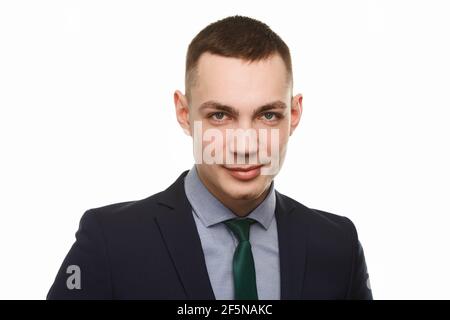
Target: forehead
[(238, 82)]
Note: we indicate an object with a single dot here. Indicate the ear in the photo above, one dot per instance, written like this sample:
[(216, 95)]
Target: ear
[(296, 112), (182, 111)]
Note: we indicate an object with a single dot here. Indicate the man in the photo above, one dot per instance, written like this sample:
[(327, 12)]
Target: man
[(221, 230)]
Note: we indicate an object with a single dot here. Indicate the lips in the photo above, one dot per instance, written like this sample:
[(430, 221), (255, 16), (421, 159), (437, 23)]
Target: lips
[(244, 173)]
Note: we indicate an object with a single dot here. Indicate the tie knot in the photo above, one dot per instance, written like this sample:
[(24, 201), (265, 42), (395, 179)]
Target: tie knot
[(240, 227)]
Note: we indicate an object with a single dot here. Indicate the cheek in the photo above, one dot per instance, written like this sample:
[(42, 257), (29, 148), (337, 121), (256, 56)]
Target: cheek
[(277, 140), (213, 144)]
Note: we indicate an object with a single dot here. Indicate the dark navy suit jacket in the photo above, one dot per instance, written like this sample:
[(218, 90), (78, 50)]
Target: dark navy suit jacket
[(150, 249)]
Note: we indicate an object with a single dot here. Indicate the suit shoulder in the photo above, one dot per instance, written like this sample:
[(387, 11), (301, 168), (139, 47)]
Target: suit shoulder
[(126, 210), (322, 220)]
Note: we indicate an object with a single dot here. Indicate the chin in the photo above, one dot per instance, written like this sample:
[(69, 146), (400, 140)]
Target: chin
[(241, 194), (244, 190)]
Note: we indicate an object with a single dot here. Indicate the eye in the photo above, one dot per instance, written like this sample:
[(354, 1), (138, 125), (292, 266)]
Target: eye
[(218, 116), (270, 116)]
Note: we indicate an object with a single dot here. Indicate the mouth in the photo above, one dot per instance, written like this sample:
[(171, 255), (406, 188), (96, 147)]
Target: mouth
[(244, 173)]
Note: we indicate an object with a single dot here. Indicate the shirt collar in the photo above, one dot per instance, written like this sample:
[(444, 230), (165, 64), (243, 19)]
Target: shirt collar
[(211, 211)]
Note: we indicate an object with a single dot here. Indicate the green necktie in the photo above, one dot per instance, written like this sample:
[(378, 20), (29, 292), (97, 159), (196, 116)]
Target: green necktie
[(243, 264)]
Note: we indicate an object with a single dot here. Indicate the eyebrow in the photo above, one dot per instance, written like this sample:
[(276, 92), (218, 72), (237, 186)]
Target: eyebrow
[(278, 104)]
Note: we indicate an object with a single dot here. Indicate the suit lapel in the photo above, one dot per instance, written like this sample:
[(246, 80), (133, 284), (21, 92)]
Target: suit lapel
[(178, 229), (292, 239)]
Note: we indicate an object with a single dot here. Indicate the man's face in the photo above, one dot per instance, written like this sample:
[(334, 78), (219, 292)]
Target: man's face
[(231, 94)]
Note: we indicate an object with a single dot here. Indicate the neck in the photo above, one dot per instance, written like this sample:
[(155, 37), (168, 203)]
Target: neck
[(242, 207)]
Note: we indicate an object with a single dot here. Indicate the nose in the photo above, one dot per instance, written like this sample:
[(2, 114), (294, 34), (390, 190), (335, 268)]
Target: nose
[(242, 143)]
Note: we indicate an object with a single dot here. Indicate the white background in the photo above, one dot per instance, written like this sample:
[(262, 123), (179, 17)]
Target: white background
[(87, 119)]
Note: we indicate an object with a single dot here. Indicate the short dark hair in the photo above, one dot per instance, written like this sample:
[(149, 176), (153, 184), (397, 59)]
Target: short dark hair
[(237, 37)]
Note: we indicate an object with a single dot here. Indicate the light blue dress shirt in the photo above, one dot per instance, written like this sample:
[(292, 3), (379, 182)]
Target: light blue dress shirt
[(219, 243)]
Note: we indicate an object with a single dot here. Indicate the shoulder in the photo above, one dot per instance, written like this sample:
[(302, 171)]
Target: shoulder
[(123, 213), (321, 224), (137, 210)]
